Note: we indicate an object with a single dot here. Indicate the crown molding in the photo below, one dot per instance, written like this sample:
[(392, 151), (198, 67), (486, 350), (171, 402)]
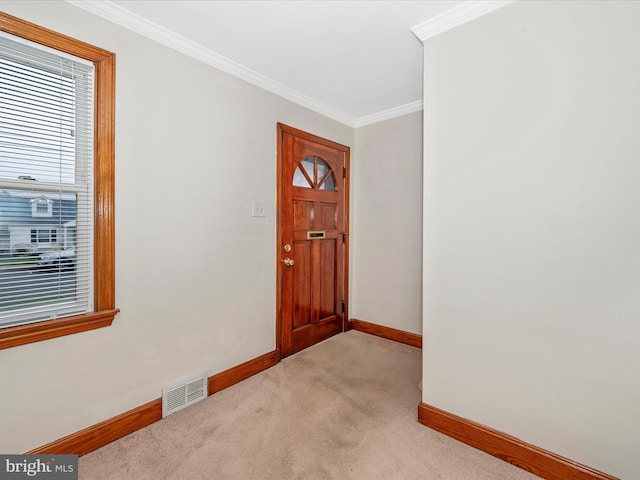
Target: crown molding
[(456, 16), (134, 22), (388, 114)]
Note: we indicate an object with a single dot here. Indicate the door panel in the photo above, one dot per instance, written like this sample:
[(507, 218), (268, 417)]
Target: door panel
[(302, 214), (312, 219), (328, 294), (301, 289), (328, 215)]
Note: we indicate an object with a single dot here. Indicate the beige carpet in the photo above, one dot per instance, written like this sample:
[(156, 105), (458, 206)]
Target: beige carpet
[(343, 409)]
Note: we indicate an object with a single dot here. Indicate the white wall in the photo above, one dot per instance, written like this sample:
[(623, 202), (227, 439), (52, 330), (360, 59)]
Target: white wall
[(195, 272), (386, 237), (532, 227)]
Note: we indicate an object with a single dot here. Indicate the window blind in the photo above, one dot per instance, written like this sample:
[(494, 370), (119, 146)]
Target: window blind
[(46, 183)]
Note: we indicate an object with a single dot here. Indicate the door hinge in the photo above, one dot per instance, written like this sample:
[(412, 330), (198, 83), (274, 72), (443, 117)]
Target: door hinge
[(344, 307), (344, 172)]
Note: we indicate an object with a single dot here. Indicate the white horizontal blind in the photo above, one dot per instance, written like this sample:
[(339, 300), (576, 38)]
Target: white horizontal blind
[(46, 183)]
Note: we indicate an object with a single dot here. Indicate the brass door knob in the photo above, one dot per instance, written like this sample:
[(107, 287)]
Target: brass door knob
[(288, 262)]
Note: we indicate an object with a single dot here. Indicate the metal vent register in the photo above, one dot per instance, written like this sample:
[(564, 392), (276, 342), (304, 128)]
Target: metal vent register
[(179, 396)]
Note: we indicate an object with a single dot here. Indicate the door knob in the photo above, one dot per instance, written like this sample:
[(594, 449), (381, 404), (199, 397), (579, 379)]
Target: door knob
[(288, 262)]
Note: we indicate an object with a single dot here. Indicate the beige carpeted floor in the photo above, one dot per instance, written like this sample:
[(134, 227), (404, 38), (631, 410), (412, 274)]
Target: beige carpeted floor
[(343, 409)]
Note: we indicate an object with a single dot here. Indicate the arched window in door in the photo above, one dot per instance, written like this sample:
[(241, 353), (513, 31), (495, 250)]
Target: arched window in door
[(313, 172)]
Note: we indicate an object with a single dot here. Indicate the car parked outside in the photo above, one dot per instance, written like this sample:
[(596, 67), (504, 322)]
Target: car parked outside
[(58, 259)]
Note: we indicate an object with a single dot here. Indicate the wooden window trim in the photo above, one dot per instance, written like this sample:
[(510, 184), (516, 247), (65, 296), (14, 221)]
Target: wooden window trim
[(104, 309)]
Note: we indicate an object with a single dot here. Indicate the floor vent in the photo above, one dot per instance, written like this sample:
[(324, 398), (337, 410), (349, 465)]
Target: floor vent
[(179, 396)]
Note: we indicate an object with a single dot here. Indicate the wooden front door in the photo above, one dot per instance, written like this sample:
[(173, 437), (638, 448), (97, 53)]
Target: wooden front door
[(312, 239)]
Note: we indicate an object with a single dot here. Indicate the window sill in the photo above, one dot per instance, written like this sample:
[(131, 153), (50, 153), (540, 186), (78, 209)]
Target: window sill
[(36, 332)]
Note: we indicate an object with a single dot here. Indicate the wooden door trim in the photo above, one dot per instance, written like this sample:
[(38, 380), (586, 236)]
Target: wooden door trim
[(281, 130)]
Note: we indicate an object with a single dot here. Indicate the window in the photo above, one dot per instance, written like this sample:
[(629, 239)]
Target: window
[(41, 206), (56, 184), (42, 235), (313, 172)]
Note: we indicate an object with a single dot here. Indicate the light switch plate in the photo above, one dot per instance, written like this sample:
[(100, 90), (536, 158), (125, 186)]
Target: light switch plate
[(258, 208)]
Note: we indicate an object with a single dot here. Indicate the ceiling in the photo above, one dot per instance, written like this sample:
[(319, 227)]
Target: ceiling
[(355, 61)]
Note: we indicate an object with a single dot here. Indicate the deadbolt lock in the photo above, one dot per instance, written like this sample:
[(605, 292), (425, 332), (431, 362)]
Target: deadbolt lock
[(287, 248)]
